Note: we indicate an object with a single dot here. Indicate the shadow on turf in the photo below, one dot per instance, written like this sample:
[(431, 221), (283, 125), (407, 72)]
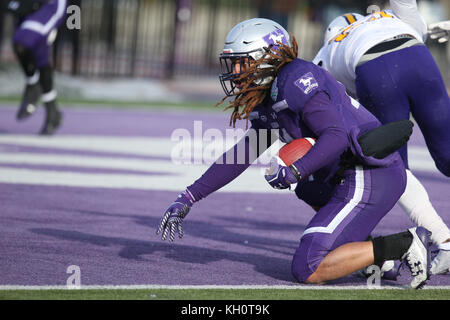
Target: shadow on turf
[(221, 232), (133, 249), (276, 268)]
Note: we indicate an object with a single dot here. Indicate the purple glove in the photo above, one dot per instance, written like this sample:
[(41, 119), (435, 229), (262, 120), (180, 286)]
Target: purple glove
[(279, 176), (174, 215)]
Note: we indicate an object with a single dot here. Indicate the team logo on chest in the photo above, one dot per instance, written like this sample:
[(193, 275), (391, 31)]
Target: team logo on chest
[(307, 83)]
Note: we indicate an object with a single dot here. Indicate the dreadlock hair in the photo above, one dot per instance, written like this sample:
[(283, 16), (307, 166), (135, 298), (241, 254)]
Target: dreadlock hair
[(250, 96)]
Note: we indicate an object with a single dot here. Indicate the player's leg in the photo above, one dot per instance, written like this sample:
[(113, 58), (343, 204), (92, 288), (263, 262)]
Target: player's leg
[(38, 32), (385, 85), (430, 105), (49, 94), (336, 264), (379, 92), (333, 245), (317, 193), (23, 43), (354, 210), (414, 201)]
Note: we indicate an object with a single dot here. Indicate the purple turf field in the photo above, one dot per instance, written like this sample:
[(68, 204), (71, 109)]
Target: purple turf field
[(93, 194)]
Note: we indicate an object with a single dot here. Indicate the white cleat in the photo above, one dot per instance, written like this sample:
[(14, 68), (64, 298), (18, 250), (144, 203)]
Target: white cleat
[(418, 257), (441, 263)]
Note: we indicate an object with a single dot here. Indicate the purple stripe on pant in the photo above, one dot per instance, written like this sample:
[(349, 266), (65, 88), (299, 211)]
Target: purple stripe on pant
[(358, 204), (35, 37)]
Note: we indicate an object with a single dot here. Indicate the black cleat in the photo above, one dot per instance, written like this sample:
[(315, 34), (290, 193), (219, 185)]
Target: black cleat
[(53, 119), (29, 101)]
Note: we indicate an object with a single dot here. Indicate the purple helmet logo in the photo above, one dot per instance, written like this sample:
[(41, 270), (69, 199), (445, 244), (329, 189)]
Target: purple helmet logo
[(274, 37)]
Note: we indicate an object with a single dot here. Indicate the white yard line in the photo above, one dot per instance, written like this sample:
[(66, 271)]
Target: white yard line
[(172, 174), (202, 287)]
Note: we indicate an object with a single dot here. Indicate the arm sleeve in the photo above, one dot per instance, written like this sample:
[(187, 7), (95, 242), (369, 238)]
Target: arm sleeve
[(408, 12), (324, 120), (232, 163)]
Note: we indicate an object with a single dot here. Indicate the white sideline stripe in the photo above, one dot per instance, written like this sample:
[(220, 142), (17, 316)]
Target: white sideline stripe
[(244, 183), (226, 287), (171, 175), (121, 145), (419, 157), (354, 201), (44, 29), (142, 146), (93, 162)]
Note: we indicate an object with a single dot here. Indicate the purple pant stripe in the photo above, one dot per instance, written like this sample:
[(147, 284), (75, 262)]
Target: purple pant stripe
[(368, 196), (352, 205)]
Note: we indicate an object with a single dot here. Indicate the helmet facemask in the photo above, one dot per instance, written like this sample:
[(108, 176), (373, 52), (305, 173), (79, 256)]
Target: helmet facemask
[(251, 84), (262, 74)]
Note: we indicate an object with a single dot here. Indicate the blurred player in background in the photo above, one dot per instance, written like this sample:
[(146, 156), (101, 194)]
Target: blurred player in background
[(383, 61), (273, 89), (36, 24), (440, 31)]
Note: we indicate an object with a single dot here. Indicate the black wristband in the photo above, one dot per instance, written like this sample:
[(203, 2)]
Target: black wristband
[(295, 172)]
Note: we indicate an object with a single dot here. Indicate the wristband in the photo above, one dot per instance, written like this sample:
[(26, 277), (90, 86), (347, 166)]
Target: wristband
[(295, 172)]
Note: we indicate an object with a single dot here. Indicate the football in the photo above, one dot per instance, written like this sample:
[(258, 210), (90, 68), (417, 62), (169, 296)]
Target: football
[(295, 150)]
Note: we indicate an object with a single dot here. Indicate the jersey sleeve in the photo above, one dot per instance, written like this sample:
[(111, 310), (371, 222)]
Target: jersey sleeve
[(231, 164), (323, 118), (299, 86), (407, 11)]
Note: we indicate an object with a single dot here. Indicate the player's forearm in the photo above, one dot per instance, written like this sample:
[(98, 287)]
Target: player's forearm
[(324, 120), (230, 165), (328, 148), (216, 177), (408, 12)]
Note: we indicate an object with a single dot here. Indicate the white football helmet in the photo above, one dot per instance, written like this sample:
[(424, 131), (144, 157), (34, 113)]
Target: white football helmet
[(252, 38), (339, 23)]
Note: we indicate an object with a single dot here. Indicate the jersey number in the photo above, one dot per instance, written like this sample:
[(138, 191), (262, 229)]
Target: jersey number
[(346, 31)]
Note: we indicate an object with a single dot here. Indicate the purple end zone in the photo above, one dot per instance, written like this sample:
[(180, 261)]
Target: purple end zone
[(230, 238)]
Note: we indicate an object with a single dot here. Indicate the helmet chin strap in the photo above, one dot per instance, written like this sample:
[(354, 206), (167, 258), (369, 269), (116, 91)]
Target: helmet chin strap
[(261, 81)]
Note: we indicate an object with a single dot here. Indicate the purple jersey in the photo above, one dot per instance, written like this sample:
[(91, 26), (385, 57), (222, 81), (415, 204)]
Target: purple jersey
[(305, 101)]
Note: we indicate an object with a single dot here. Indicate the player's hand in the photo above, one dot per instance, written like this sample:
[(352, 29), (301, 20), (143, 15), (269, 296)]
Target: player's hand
[(279, 176), (440, 31), (172, 220)]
